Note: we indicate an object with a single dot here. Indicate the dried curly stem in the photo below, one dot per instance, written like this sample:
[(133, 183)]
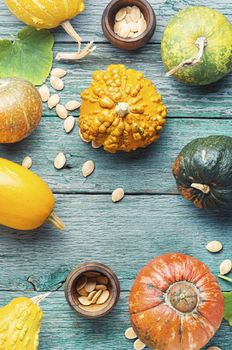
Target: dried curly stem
[(89, 48), (201, 43), (40, 298)]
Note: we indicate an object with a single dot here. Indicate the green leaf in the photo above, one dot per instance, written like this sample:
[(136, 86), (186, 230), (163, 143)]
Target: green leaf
[(30, 56), (228, 307)]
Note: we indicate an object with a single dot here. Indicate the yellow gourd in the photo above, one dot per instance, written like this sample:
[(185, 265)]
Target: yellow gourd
[(44, 14), (26, 201), (20, 322), (121, 110)]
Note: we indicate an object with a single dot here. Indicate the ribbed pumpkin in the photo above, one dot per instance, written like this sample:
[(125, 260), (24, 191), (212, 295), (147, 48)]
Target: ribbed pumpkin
[(20, 322), (176, 303), (44, 14), (203, 172), (197, 46), (121, 110)]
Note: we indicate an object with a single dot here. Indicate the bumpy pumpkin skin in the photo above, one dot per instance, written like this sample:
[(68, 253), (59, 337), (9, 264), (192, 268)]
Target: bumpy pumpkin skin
[(20, 109), (176, 303), (208, 162), (20, 322), (178, 44), (44, 14), (103, 120), (26, 201)]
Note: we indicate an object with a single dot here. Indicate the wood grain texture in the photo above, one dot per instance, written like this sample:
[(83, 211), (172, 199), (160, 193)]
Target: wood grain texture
[(144, 171)]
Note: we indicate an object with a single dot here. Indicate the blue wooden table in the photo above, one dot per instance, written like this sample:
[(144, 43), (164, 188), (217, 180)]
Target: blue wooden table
[(151, 220)]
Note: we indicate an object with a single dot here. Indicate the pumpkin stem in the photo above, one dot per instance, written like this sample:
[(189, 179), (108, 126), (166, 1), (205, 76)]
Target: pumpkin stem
[(201, 187), (40, 298), (201, 43), (225, 278), (56, 221), (122, 109), (89, 48)]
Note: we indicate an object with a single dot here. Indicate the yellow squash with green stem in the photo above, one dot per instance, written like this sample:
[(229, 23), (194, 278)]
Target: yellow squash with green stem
[(44, 14), (26, 201), (20, 322)]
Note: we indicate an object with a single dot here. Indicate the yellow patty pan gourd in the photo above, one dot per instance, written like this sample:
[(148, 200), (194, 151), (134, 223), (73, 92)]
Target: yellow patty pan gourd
[(20, 322), (121, 110), (26, 201), (44, 14)]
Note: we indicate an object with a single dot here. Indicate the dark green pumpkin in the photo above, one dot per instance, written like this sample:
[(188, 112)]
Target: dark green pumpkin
[(203, 172)]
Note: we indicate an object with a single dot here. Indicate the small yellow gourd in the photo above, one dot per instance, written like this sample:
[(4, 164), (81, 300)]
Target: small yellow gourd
[(26, 201), (44, 14), (121, 110), (20, 322)]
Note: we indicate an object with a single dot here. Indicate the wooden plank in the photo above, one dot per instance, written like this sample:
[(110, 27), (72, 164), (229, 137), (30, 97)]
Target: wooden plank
[(124, 236), (144, 171), (63, 329), (181, 100), (88, 24)]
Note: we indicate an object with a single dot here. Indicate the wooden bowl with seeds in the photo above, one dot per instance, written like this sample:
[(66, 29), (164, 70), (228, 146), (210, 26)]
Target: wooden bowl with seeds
[(92, 290), (128, 24)]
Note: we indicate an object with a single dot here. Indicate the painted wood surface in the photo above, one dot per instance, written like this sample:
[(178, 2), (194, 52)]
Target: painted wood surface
[(152, 218)]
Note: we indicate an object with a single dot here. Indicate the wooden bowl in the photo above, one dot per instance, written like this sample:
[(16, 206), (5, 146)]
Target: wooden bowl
[(71, 293), (108, 20)]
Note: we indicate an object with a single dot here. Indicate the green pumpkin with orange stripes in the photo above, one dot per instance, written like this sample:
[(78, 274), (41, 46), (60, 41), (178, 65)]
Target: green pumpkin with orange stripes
[(197, 46)]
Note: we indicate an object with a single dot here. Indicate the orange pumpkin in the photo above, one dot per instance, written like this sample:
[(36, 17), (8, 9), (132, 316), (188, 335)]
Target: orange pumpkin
[(176, 303)]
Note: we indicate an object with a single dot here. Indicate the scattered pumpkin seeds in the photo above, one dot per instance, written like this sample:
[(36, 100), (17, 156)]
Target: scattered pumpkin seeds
[(91, 294), (88, 168), (129, 22), (58, 72), (82, 138), (53, 101), (213, 348), (27, 162), (85, 301), (60, 161), (139, 345), (95, 144), (130, 334), (56, 83), (61, 111), (104, 296), (72, 105), (214, 246), (96, 296), (118, 195), (69, 124), (44, 93), (225, 267)]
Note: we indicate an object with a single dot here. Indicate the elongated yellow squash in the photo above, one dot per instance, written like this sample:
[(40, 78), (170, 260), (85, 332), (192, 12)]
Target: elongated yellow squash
[(26, 201)]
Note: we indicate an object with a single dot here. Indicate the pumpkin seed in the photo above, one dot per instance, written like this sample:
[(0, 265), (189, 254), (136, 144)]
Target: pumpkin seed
[(58, 72), (90, 285), (53, 101), (139, 345), (121, 14), (69, 124), (96, 145), (135, 13), (59, 161), (92, 274), (88, 168), (128, 19), (214, 246), (130, 334), (56, 83), (81, 282), (103, 297), (213, 348), (118, 195), (27, 162), (100, 287), (102, 280), (124, 30), (91, 295), (44, 93), (61, 111), (225, 267), (72, 105), (84, 301), (117, 27), (96, 297), (82, 138), (142, 25), (83, 292)]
